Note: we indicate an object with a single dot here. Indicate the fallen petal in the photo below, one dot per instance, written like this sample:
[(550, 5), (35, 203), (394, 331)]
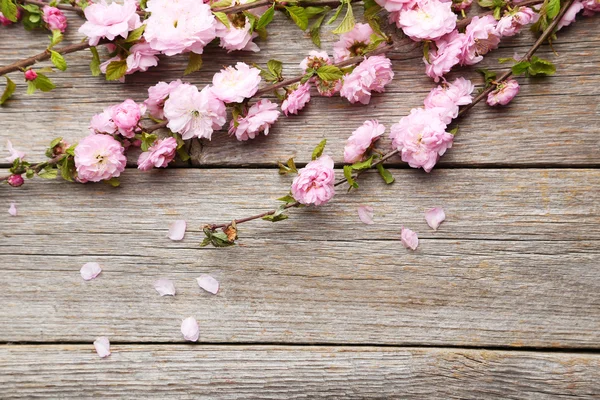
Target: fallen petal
[(365, 213), (409, 239), (435, 217), (12, 210), (90, 270), (164, 287), (177, 230), (190, 329), (102, 346), (208, 283)]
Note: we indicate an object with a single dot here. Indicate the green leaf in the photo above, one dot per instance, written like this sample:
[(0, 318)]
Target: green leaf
[(55, 142), (358, 166), (336, 15), (454, 131), (56, 38), (287, 199), (266, 18), (503, 60), (312, 11), (486, 3), (221, 16), (371, 9), (58, 60), (251, 19), (539, 66), (347, 23), (194, 64), (488, 76), (348, 176), (289, 168), (135, 34), (183, 155), (116, 70), (71, 150), (217, 239), (8, 90), (309, 74), (315, 30), (299, 16), (275, 218), (275, 67), (498, 13), (29, 173), (9, 9), (48, 173), (95, 63), (67, 169), (43, 83), (30, 87), (329, 73), (385, 174), (148, 140), (221, 3), (318, 151), (114, 182), (520, 67), (552, 8)]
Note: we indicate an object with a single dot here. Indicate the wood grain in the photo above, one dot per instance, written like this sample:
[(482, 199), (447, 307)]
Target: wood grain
[(265, 372), (515, 264)]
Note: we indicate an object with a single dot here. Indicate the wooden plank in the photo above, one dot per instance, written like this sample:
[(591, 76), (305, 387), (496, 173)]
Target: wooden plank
[(515, 264), (253, 372), (553, 121)]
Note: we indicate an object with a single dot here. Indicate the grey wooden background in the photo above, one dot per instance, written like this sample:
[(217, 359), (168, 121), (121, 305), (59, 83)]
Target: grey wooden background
[(502, 302)]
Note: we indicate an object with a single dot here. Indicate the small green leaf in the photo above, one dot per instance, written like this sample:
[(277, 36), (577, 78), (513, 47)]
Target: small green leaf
[(135, 34), (348, 176), (552, 8), (289, 168), (275, 218), (486, 3), (336, 14), (299, 16), (183, 155), (48, 173), (318, 151), (275, 67), (520, 67), (329, 73), (312, 11), (30, 87), (114, 182), (221, 3), (454, 131), (385, 174), (217, 239), (56, 38), (55, 142), (221, 16), (58, 60), (498, 13), (95, 63), (426, 51), (67, 169), (29, 173), (43, 83), (503, 60), (148, 140), (309, 74), (315, 30), (194, 64), (8, 90), (539, 66), (347, 23), (488, 76), (358, 166), (9, 9), (266, 18), (116, 70), (287, 199)]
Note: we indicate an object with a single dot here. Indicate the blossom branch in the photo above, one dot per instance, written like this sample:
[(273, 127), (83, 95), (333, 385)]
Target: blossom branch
[(65, 7), (36, 168), (461, 24)]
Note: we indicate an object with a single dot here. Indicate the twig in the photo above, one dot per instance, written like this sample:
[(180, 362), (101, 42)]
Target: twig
[(466, 21), (65, 7), (37, 167), (45, 55)]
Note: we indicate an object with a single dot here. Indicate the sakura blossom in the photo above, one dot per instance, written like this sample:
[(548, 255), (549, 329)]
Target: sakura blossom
[(177, 230), (237, 37), (296, 99), (396, 5), (98, 158), (361, 140), (208, 283), (141, 57), (234, 84), (371, 75), (164, 287), (434, 217), (258, 118), (353, 43), (102, 346), (190, 329), (90, 270), (569, 16), (504, 93), (315, 60), (429, 20), (446, 99), (157, 95), (314, 183), (444, 54), (30, 75), (109, 20), (513, 21), (480, 38), (409, 239), (126, 117), (15, 180), (159, 155), (12, 210), (54, 18), (365, 214), (461, 5), (591, 7), (14, 153)]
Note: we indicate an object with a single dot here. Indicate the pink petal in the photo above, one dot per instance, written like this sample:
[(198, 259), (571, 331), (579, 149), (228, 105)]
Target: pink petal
[(435, 217), (12, 210), (190, 329), (365, 213), (208, 283), (164, 287), (177, 230), (102, 346), (409, 239), (90, 270)]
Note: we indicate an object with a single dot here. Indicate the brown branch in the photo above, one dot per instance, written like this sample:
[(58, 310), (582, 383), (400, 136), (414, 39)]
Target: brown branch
[(261, 3), (65, 7), (45, 55)]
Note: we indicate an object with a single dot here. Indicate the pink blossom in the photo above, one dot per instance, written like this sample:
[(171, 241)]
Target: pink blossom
[(194, 113), (511, 23), (315, 60), (12, 210), (14, 153), (157, 95), (141, 57), (109, 20), (429, 20), (237, 38), (190, 329), (180, 26), (371, 75), (435, 217), (98, 158), (15, 180), (259, 118), (6, 22), (54, 18), (409, 239), (444, 55), (396, 5), (446, 99), (103, 122), (30, 75), (315, 182), (352, 43), (591, 7), (102, 346), (159, 155), (480, 38), (570, 15), (234, 84), (461, 5), (421, 138), (126, 117), (361, 140), (504, 93), (296, 99)]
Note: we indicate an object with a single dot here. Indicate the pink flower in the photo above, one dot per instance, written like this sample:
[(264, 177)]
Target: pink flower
[(570, 15), (396, 5), (14, 153), (157, 95), (421, 138), (504, 93), (461, 5), (159, 155), (6, 22), (126, 117), (30, 75), (511, 23), (480, 38), (591, 7), (259, 118), (314, 183), (444, 55), (55, 18), (103, 123), (179, 26), (15, 180), (429, 20), (98, 158), (409, 239), (109, 20), (371, 75), (296, 99), (352, 43), (234, 84), (194, 113), (237, 38), (141, 57), (315, 60), (446, 99), (361, 140)]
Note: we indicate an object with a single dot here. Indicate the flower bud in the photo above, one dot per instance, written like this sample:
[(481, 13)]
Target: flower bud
[(30, 75), (15, 180)]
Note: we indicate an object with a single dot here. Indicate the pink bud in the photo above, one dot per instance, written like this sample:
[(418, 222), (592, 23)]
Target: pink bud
[(30, 75), (15, 180)]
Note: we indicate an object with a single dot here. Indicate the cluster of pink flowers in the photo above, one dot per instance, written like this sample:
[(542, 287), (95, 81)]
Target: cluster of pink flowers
[(98, 158), (239, 34), (141, 57), (371, 75), (353, 43), (504, 93), (315, 60), (109, 21), (421, 136), (120, 119), (258, 118), (159, 155), (297, 97), (54, 18), (361, 140), (315, 182)]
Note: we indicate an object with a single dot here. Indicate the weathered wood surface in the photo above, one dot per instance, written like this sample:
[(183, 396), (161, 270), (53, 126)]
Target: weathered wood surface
[(553, 121), (515, 264)]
